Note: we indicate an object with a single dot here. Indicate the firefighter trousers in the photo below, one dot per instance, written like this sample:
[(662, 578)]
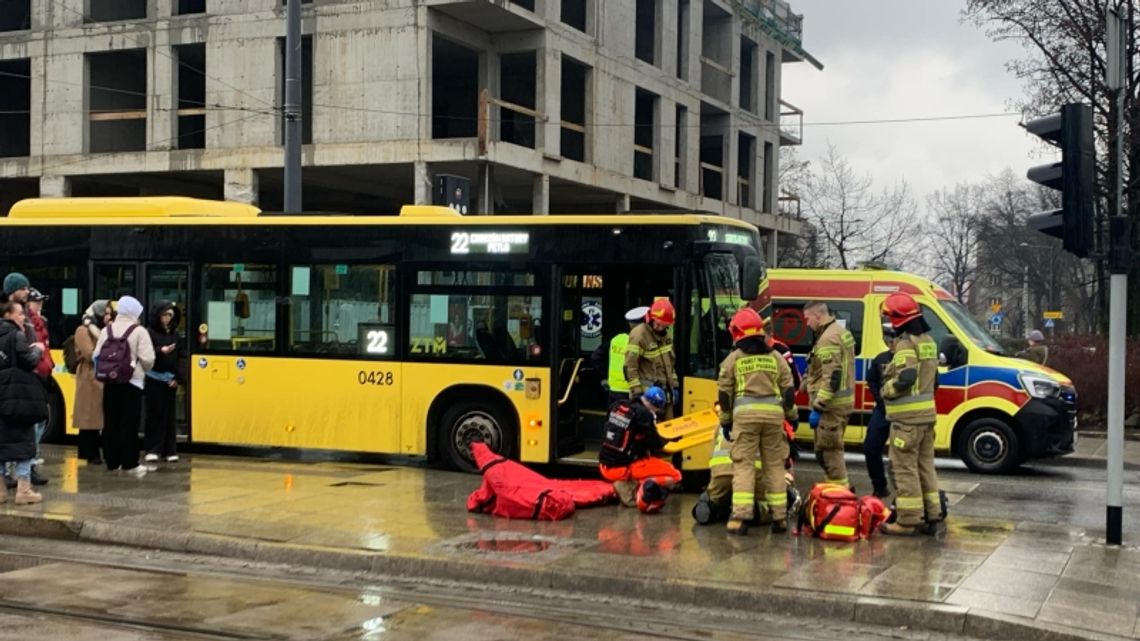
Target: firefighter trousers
[(912, 461), (829, 444), (765, 433)]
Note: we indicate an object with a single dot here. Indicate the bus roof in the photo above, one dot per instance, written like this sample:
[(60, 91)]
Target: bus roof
[(176, 210), (849, 283)]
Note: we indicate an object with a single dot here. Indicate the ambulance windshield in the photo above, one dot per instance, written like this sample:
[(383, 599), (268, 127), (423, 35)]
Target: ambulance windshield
[(973, 330)]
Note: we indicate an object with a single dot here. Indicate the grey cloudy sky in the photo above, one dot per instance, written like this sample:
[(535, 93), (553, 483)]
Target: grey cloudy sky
[(902, 59)]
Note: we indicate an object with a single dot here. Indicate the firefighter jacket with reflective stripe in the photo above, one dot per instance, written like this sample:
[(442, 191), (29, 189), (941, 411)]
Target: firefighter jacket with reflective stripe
[(910, 379), (616, 377), (754, 384), (649, 360), (830, 374)]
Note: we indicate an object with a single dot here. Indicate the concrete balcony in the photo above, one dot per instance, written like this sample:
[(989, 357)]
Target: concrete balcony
[(492, 16)]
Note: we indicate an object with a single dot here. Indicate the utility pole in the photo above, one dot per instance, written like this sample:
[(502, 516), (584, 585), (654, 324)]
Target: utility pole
[(293, 106), (1120, 261), (1025, 317)]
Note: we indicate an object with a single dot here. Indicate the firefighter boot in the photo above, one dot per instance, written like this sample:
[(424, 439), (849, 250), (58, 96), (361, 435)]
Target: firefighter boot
[(779, 527), (627, 492), (933, 528), (25, 495), (737, 526)]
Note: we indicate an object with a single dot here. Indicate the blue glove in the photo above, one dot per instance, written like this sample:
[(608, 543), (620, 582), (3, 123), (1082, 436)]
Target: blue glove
[(727, 431), (813, 419)]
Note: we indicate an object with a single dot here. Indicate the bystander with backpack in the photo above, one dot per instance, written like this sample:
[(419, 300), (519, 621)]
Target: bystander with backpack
[(123, 356), (88, 414), (162, 383)]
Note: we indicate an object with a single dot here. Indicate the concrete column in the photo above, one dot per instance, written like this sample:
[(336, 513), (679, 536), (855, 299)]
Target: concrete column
[(161, 117), (55, 187), (486, 204), (696, 29), (623, 203), (772, 249), (731, 159), (160, 8), (541, 198), (734, 60), (667, 141), (57, 15), (692, 149), (668, 48), (422, 177), (241, 185), (548, 95)]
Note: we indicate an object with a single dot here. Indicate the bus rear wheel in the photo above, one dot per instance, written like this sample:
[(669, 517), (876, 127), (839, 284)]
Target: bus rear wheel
[(467, 422), (990, 446)]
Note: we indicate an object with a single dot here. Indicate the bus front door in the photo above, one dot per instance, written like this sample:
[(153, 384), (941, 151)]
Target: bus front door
[(581, 399)]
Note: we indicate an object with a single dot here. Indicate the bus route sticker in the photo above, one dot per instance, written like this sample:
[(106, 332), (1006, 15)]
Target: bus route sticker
[(202, 363)]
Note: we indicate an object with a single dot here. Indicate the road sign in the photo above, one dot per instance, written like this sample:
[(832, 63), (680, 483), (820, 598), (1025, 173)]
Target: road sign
[(997, 318), (1048, 323), (1054, 315)]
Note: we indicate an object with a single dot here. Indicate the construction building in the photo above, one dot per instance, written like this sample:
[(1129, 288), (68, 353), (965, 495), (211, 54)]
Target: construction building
[(546, 106)]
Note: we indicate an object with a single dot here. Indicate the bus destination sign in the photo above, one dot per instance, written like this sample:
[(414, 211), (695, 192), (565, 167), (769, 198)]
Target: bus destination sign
[(490, 242)]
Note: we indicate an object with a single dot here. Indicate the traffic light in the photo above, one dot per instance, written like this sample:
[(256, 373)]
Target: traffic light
[(453, 191), (1072, 130)]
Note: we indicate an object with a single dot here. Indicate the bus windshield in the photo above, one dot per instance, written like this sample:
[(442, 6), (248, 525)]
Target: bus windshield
[(979, 336)]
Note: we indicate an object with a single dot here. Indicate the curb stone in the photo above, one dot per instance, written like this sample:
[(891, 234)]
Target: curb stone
[(776, 601)]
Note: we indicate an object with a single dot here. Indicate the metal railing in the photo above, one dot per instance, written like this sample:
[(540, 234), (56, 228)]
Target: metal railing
[(776, 17), (791, 123)]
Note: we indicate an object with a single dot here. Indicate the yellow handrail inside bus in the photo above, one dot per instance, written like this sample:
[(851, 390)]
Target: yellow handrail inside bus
[(144, 207), (573, 381)]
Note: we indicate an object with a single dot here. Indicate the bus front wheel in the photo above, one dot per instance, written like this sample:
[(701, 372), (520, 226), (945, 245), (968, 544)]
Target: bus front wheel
[(990, 446), (467, 422)]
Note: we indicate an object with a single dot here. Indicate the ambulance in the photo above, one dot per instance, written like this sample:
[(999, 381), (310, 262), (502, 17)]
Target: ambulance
[(995, 411)]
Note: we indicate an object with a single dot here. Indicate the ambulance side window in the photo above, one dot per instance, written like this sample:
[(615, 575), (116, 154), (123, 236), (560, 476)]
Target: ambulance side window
[(938, 329), (789, 326)]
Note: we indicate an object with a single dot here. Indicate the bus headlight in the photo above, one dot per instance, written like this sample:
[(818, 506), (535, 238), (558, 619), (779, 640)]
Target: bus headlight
[(1039, 386)]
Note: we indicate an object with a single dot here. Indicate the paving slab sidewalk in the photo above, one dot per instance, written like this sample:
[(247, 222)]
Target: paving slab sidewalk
[(987, 578)]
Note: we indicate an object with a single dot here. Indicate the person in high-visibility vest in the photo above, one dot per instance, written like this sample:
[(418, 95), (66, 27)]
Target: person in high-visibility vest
[(614, 367)]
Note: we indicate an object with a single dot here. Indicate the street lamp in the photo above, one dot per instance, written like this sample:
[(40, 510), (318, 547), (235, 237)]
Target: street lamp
[(1025, 283)]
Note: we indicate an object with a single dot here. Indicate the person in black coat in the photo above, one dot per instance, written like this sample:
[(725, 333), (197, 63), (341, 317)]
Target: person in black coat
[(23, 397), (878, 427), (162, 382)]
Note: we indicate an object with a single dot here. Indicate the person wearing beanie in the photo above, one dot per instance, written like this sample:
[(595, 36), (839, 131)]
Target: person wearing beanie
[(1037, 351), (123, 400), (16, 287)]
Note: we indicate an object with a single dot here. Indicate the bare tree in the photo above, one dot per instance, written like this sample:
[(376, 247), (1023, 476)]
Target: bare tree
[(1066, 63), (804, 250), (952, 238), (855, 222)]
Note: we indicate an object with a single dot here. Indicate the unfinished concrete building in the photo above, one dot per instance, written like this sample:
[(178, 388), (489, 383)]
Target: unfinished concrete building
[(547, 106)]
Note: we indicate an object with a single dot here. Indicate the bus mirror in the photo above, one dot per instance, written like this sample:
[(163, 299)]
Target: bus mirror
[(752, 274)]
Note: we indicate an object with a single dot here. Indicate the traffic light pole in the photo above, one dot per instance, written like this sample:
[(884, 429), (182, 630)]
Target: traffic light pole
[(1120, 261), (292, 107)]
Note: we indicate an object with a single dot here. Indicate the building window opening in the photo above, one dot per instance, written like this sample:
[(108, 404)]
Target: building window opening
[(574, 77), (306, 87), (454, 90), (645, 31), (191, 81), (15, 15), (716, 53), (517, 88), (117, 93), (683, 39), (574, 14), (644, 134), (525, 4), (15, 107), (769, 176), (745, 170), (680, 147), (188, 7), (714, 129), (769, 86), (112, 10), (748, 87)]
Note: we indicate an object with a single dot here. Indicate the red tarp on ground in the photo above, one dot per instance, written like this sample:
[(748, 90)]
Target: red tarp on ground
[(510, 490)]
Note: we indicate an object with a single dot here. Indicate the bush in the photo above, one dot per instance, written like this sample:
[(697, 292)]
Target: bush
[(1084, 359)]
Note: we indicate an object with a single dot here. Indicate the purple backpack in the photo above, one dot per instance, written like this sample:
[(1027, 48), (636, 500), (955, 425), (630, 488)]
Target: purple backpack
[(114, 364)]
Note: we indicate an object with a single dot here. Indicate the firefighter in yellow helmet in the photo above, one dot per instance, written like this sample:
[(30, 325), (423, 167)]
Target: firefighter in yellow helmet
[(756, 394), (908, 393), (830, 384)]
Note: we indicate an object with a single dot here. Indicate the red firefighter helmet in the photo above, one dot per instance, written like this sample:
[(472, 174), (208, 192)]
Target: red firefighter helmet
[(900, 309), (662, 311), (746, 323)]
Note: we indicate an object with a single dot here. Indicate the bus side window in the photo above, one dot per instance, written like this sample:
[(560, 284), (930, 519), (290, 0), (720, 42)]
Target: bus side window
[(240, 305), (343, 310)]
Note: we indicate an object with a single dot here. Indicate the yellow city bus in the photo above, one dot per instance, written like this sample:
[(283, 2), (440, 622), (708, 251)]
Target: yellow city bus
[(409, 334)]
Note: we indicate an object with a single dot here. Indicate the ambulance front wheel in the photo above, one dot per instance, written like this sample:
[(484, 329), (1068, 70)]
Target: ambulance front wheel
[(990, 446), (466, 422)]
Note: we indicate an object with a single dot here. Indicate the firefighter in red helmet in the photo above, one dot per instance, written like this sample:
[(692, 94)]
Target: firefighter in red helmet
[(756, 394), (649, 357), (908, 394)]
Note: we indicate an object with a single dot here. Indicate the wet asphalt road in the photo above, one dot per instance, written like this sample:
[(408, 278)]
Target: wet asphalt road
[(83, 592)]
